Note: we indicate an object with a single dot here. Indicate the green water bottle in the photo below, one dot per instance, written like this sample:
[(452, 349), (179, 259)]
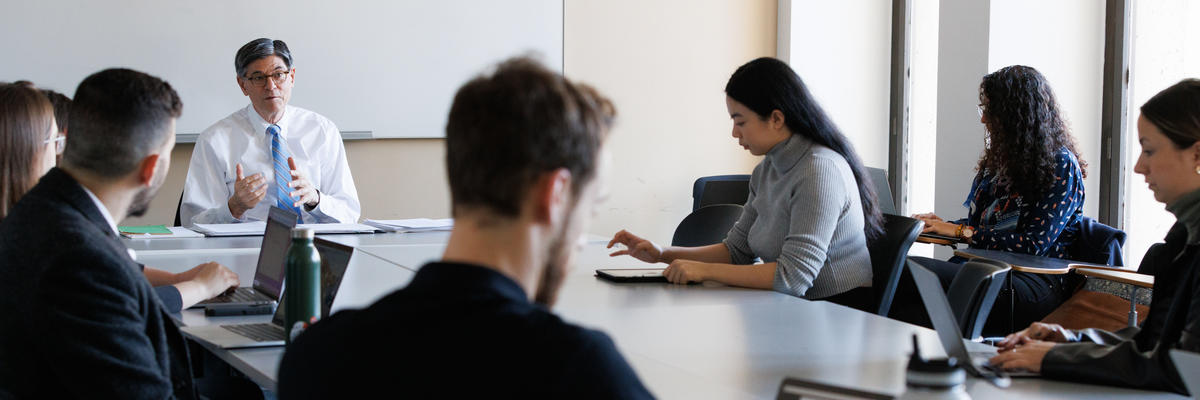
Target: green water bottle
[(303, 280)]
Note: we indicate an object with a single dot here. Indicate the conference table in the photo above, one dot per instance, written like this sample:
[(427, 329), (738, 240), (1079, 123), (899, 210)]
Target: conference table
[(684, 341)]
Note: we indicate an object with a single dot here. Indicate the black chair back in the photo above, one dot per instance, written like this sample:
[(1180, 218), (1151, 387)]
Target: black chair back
[(177, 207), (706, 226), (1097, 243), (973, 292), (883, 190), (720, 189), (888, 253)]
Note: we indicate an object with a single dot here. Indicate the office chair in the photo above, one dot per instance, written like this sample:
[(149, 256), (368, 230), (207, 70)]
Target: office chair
[(973, 292), (720, 189), (1097, 243), (883, 190), (706, 226), (177, 207), (888, 254)]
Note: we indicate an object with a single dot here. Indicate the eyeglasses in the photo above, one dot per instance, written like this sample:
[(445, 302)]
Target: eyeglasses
[(260, 80), (59, 141)]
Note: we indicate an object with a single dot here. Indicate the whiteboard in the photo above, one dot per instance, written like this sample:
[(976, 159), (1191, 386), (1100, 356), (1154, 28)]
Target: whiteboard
[(390, 68)]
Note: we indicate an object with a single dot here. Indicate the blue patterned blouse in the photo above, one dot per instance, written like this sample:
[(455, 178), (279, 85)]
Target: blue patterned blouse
[(1045, 226)]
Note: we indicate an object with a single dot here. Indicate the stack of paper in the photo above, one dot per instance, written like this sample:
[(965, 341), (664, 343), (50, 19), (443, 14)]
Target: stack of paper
[(338, 228), (412, 225), (257, 228)]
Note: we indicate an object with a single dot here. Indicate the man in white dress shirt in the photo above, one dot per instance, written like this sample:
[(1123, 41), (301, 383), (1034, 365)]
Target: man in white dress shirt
[(269, 153)]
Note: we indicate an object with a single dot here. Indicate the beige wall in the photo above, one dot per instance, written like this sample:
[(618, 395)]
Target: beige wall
[(664, 64)]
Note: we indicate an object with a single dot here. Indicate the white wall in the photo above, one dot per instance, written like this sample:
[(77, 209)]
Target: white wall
[(664, 64), (962, 61), (1064, 40), (842, 51)]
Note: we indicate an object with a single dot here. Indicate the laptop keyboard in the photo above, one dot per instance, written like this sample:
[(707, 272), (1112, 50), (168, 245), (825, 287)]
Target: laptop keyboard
[(258, 332), (238, 296)]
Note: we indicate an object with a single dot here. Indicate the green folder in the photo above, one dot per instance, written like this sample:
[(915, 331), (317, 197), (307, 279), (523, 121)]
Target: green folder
[(145, 229)]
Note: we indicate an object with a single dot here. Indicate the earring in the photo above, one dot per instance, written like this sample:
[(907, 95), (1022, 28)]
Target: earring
[(1198, 170)]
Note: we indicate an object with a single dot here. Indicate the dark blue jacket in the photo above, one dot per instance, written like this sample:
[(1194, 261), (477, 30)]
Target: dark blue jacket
[(1098, 243), (77, 317)]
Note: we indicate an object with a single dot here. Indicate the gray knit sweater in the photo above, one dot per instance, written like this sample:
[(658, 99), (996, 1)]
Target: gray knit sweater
[(804, 213)]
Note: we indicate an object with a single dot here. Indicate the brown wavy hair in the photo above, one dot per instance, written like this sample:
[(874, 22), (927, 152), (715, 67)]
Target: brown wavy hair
[(26, 118), (1025, 130)]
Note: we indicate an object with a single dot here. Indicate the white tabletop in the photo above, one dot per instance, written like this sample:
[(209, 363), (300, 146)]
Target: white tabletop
[(697, 341)]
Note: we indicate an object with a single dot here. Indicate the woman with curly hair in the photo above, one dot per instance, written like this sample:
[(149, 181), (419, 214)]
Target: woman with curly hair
[(1027, 196)]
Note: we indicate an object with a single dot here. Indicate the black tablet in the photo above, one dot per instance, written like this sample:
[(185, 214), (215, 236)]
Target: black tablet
[(799, 389), (632, 275)]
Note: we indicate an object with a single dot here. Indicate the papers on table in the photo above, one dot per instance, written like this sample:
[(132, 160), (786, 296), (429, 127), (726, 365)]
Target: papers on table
[(412, 225), (338, 228), (257, 228), (176, 232)]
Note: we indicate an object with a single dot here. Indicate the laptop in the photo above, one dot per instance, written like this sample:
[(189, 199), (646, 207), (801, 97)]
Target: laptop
[(1187, 365), (948, 331), (268, 276), (334, 259)]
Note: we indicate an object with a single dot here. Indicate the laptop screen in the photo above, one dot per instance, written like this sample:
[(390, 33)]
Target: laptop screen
[(940, 312), (268, 277), (334, 259)]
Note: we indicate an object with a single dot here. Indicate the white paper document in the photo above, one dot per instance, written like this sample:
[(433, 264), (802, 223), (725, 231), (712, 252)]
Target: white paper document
[(412, 225), (257, 228)]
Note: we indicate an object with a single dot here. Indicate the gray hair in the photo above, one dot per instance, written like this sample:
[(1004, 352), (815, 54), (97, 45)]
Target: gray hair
[(258, 49)]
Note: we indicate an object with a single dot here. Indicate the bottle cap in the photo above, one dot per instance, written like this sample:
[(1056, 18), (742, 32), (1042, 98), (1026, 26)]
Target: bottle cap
[(302, 233)]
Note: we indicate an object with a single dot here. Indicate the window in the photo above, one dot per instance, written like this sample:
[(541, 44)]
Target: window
[(1163, 52)]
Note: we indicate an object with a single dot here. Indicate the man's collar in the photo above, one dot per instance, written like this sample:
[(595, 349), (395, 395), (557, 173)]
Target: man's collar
[(103, 210), (260, 125)]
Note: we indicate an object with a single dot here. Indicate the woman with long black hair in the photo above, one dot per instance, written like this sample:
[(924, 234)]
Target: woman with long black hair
[(811, 208)]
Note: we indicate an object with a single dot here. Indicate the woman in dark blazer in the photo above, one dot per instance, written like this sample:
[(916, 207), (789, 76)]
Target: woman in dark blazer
[(1169, 134)]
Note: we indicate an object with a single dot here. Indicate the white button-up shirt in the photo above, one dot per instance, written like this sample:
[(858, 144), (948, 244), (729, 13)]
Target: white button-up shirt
[(242, 137)]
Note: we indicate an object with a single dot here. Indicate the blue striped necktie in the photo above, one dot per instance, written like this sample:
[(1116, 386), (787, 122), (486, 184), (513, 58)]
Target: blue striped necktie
[(283, 173)]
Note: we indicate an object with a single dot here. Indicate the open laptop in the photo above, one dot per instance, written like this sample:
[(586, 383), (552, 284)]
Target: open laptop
[(949, 333), (334, 259), (1187, 365), (268, 276)]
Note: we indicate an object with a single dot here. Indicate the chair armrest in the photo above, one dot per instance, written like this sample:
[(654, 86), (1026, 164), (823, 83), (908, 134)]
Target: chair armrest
[(1126, 277)]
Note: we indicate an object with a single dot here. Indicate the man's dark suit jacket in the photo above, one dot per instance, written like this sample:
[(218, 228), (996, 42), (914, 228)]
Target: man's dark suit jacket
[(77, 317)]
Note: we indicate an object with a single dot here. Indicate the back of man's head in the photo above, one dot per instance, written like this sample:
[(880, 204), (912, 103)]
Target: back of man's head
[(62, 108), (118, 117), (508, 127)]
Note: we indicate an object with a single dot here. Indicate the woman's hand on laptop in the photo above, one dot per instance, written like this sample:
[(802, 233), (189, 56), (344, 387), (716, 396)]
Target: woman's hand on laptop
[(636, 247), (1037, 332), (1026, 357)]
